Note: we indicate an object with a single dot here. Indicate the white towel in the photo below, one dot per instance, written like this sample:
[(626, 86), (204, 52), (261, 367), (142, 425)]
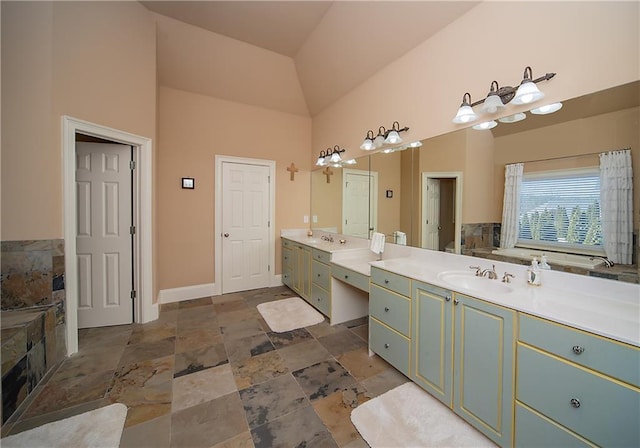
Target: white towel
[(377, 243), (401, 237)]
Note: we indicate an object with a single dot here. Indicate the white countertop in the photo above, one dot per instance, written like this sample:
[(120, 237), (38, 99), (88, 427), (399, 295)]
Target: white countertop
[(605, 307)]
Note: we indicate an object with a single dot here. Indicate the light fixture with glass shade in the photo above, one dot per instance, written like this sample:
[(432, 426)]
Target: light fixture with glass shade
[(465, 112), (513, 118), (332, 157), (485, 125), (546, 109), (393, 136), (379, 140), (493, 102), (527, 92), (367, 144)]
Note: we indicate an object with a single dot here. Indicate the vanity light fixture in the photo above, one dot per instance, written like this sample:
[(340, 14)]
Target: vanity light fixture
[(547, 109), (332, 157), (513, 118), (384, 137), (485, 125), (498, 97)]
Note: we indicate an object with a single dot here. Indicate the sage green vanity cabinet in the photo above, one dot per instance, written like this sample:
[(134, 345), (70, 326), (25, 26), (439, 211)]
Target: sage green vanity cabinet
[(580, 386), (390, 318), (463, 354), (321, 281), (298, 273)]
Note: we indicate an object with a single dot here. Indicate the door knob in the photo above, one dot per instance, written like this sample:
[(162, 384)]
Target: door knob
[(226, 235)]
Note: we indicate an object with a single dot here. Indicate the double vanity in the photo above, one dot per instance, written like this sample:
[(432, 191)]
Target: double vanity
[(550, 365)]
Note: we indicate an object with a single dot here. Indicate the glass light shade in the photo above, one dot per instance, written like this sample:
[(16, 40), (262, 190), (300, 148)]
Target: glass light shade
[(486, 125), (393, 138), (527, 93), (388, 150), (320, 161), (415, 144), (337, 165), (547, 109), (513, 118), (465, 115), (367, 144), (492, 104), (378, 141), (350, 162), (335, 157)]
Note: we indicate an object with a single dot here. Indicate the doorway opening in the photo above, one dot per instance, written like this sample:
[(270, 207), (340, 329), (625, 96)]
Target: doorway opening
[(441, 221), (144, 308)]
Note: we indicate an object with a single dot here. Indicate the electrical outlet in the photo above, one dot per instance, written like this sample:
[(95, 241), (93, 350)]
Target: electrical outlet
[(306, 219), (315, 219)]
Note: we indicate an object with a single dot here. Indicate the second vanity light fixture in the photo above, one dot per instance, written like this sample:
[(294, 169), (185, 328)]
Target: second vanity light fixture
[(331, 157), (384, 137), (498, 97)]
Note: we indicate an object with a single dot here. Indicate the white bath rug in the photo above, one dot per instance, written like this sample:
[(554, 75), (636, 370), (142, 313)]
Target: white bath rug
[(289, 314), (100, 428), (407, 416)]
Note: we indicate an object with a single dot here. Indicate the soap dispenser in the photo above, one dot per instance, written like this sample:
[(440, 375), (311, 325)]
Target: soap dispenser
[(533, 273)]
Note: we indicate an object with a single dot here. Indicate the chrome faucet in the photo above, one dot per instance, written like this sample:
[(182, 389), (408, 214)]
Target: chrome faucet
[(478, 270), (327, 238), (506, 278), (608, 263), (491, 273)]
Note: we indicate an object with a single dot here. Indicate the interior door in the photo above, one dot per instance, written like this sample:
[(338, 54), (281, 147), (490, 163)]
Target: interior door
[(103, 241), (431, 232), (357, 214), (245, 226)]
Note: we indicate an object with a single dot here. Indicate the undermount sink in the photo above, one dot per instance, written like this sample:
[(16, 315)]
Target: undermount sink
[(471, 282)]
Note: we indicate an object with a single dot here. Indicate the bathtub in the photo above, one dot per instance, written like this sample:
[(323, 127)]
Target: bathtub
[(578, 261)]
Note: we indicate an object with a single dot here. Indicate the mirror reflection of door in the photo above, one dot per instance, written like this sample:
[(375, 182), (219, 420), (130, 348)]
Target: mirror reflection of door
[(439, 219), (356, 210)]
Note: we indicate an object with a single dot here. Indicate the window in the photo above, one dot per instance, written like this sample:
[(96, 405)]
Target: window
[(560, 210)]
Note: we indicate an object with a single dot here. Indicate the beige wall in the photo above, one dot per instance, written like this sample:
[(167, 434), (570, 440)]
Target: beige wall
[(192, 130), (427, 83), (388, 167), (94, 61)]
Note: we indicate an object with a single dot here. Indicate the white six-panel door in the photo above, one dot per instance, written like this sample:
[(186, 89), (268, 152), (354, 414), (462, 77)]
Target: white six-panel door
[(359, 199), (431, 197), (245, 227), (103, 182)]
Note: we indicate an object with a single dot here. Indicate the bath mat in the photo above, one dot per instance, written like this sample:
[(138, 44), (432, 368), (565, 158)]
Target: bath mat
[(407, 416), (98, 428), (289, 314)]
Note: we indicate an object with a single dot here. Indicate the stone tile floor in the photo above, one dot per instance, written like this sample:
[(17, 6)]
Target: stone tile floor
[(210, 373)]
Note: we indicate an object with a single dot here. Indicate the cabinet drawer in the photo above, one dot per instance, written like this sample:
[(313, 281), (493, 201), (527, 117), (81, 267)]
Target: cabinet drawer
[(604, 355), (287, 243), (322, 256), (395, 282), (321, 275), (598, 408), (391, 309), (356, 279), (321, 299), (535, 430), (390, 345)]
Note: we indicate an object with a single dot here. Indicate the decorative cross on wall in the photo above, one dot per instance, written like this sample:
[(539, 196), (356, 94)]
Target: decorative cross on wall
[(293, 170), (327, 172)]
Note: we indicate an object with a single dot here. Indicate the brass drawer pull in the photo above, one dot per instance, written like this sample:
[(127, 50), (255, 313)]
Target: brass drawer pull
[(575, 403), (386, 346), (577, 349), (447, 298)]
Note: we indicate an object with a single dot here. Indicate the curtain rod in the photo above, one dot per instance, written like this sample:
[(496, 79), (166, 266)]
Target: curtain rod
[(569, 157)]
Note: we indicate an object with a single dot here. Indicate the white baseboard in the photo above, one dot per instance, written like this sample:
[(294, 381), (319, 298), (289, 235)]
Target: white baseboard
[(187, 293)]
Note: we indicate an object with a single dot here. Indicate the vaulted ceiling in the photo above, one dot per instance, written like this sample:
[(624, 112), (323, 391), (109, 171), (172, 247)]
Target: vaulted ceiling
[(330, 46)]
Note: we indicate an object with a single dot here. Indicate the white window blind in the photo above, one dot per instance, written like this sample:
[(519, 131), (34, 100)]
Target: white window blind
[(561, 210)]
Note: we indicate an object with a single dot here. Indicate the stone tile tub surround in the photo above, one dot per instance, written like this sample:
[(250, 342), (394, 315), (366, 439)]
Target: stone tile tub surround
[(33, 316)]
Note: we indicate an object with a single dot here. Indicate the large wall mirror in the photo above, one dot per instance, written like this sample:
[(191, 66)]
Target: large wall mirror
[(428, 195)]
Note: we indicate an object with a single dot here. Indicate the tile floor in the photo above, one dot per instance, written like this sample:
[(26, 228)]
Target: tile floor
[(210, 373)]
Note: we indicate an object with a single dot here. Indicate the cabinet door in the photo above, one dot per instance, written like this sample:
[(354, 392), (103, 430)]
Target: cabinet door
[(484, 374), (287, 267), (432, 341)]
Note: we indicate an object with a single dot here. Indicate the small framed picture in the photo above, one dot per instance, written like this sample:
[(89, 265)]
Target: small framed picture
[(188, 182)]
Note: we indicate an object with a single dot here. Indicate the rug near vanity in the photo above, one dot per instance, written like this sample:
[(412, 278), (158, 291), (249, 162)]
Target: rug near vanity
[(289, 314), (409, 416)]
